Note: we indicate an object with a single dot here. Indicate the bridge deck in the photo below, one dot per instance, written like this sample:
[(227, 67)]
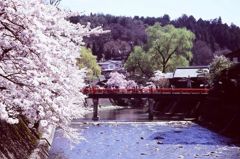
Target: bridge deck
[(144, 92)]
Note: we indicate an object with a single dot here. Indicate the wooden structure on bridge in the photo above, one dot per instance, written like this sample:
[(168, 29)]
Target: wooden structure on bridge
[(151, 94)]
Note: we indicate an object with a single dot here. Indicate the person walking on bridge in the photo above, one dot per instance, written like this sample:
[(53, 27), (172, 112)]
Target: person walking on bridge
[(189, 82)]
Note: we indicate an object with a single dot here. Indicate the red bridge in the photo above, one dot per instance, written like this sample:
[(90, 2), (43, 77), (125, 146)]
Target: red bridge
[(141, 92), (152, 94)]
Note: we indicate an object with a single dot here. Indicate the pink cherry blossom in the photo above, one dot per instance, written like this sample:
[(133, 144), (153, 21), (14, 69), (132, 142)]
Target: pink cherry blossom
[(119, 80), (38, 73)]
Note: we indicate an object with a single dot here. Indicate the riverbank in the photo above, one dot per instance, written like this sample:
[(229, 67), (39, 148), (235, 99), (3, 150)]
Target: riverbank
[(220, 115)]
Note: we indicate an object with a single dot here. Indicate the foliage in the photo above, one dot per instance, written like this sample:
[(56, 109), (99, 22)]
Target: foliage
[(38, 73), (158, 75), (89, 61), (169, 46), (115, 49), (139, 64), (131, 84), (218, 64), (160, 80), (213, 34), (202, 53), (119, 80), (125, 33)]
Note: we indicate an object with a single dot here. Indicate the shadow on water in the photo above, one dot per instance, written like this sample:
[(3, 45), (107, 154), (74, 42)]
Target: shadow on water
[(128, 114), (107, 112), (121, 114)]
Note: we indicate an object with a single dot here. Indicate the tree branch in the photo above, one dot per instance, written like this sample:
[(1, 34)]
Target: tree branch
[(15, 82), (171, 54)]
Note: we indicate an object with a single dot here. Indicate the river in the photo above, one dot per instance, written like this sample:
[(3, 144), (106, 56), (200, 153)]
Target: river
[(125, 133)]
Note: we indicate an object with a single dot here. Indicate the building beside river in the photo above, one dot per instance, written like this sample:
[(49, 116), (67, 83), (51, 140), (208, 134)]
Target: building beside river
[(192, 76)]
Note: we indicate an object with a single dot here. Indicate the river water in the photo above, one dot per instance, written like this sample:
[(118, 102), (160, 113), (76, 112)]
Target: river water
[(125, 133)]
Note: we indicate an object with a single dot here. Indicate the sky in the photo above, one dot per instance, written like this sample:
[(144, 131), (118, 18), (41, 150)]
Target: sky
[(228, 10)]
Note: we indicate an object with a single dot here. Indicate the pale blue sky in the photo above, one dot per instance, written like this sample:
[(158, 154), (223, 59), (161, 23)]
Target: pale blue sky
[(229, 10)]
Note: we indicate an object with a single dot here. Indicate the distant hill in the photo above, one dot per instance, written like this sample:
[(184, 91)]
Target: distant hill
[(212, 37)]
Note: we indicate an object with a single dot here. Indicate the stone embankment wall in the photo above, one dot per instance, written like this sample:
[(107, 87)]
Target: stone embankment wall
[(222, 114), (221, 109), (16, 141), (19, 142)]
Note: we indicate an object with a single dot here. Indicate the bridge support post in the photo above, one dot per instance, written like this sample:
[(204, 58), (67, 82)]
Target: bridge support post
[(150, 108), (95, 109)]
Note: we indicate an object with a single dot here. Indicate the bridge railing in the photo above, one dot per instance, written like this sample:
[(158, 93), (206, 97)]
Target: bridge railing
[(95, 90)]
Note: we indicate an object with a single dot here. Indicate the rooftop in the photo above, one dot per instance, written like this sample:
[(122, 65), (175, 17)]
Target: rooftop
[(110, 61), (192, 71)]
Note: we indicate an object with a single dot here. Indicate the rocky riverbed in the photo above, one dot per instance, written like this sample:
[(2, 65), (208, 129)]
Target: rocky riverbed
[(144, 140)]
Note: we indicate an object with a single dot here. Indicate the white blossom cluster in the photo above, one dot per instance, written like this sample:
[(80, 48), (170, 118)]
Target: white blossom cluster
[(160, 79), (38, 73), (119, 80), (158, 75)]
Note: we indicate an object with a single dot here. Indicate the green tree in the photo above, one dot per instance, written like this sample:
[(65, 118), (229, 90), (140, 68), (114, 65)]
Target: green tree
[(139, 64), (89, 61), (202, 53), (169, 46)]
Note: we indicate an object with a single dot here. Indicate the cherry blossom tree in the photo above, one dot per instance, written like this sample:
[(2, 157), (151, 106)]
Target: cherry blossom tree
[(131, 84), (160, 79), (119, 80), (52, 2), (218, 64), (38, 74)]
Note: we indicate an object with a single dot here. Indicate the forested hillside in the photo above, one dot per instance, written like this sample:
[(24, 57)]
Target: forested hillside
[(212, 36)]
